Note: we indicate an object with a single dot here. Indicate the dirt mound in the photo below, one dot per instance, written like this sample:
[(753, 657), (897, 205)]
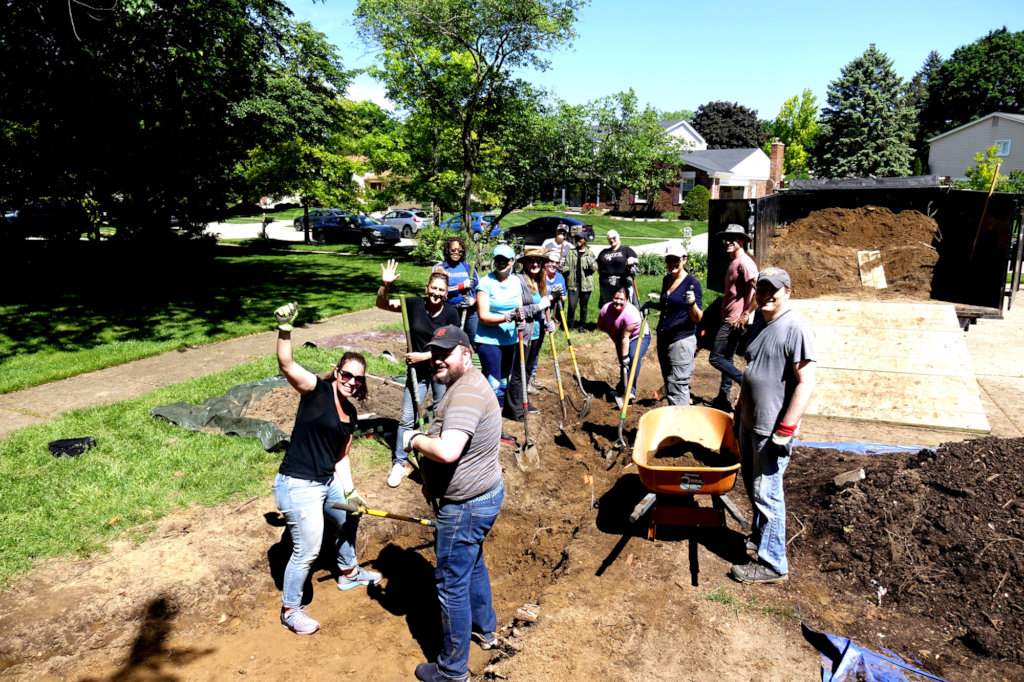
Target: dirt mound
[(820, 252), (931, 540)]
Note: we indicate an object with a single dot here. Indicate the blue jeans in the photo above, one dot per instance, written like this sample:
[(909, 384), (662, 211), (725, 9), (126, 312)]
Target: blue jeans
[(514, 392), (763, 469), (621, 388), (676, 359), (408, 418), (496, 365), (722, 352), (304, 505), (463, 585), (472, 322)]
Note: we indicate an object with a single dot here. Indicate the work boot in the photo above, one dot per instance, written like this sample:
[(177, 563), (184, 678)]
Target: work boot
[(756, 573), (298, 621), (360, 577), (722, 403), (396, 475), (534, 386)]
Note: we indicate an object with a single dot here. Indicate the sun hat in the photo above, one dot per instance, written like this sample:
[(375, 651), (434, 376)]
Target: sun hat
[(532, 252), (554, 255), (734, 230)]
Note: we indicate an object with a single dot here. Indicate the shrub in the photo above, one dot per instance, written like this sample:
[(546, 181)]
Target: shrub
[(695, 205), (430, 244), (590, 209), (669, 215), (545, 208), (651, 264), (697, 264)]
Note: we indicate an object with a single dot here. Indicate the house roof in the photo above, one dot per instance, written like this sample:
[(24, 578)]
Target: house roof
[(718, 160), (1018, 118)]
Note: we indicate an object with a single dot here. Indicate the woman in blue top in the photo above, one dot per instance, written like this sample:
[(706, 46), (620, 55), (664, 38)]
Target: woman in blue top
[(681, 306), (316, 470), (462, 282), (556, 290), (498, 295)]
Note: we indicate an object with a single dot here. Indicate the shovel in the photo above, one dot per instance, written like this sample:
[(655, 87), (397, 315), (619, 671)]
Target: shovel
[(410, 376), (621, 443), (526, 454), (561, 391), (353, 509), (587, 398)]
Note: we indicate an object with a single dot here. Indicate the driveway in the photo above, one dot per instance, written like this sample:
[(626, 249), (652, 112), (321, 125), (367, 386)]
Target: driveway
[(281, 230)]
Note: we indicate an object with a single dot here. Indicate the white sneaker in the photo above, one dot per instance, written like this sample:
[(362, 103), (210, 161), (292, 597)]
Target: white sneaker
[(396, 475)]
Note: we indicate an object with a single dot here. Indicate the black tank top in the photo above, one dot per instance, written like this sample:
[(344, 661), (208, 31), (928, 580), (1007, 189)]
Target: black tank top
[(318, 436)]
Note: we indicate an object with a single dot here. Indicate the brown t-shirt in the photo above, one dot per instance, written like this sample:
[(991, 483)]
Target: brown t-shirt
[(468, 405)]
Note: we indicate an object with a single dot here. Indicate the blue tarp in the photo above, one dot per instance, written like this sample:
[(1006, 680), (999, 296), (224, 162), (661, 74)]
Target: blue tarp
[(844, 661), (860, 448)]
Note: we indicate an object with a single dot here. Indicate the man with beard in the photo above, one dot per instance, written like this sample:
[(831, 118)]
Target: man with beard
[(462, 479)]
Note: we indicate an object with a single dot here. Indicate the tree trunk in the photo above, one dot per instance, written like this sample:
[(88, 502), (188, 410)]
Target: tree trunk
[(305, 220)]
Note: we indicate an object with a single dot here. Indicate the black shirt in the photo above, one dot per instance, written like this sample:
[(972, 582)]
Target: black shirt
[(318, 436), (422, 327), (612, 262)]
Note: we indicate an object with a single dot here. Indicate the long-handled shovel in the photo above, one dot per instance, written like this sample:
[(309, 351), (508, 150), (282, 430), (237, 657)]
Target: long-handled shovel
[(621, 443), (587, 398), (526, 454), (410, 375), (352, 509), (561, 391)]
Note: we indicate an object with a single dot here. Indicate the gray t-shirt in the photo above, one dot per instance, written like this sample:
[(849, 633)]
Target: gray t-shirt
[(468, 405), (771, 350)]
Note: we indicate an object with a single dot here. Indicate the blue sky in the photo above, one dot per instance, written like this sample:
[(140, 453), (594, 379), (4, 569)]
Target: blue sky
[(679, 55)]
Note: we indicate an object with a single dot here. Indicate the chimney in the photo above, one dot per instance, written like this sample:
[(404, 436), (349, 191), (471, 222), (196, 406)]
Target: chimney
[(775, 165)]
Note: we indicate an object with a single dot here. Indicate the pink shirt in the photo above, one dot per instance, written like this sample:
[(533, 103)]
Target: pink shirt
[(738, 291), (616, 322)]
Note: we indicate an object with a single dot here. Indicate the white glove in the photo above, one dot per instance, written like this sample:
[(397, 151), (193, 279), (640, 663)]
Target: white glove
[(545, 303), (632, 261), (407, 438), (780, 440), (690, 297)]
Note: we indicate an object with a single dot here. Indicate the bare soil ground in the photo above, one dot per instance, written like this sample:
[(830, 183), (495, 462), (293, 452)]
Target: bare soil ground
[(922, 557)]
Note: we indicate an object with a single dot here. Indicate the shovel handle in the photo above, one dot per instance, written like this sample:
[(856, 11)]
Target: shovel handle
[(351, 508)]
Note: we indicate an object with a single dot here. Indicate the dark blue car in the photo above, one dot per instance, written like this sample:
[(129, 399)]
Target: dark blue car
[(480, 221)]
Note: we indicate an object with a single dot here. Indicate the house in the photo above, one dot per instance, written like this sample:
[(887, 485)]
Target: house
[(952, 152)]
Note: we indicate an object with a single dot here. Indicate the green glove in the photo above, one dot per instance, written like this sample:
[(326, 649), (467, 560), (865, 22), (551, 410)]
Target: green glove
[(356, 499), (285, 315)]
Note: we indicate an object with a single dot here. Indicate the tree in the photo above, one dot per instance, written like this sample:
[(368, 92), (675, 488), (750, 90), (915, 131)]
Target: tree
[(986, 173), (868, 123), (977, 79), (919, 94), (452, 60), (634, 152), (728, 125), (136, 101), (796, 126), (684, 114)]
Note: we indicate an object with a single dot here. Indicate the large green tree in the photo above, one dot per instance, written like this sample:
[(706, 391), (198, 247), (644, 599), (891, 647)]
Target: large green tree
[(728, 125), (919, 93), (977, 79), (867, 124), (131, 105), (796, 126), (633, 151), (453, 61)]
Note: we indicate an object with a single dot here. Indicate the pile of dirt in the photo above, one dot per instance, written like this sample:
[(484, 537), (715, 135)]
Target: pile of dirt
[(687, 455), (820, 252), (933, 539)]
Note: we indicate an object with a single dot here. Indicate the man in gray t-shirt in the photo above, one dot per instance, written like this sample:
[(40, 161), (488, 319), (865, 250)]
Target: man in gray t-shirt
[(777, 387), (462, 476)]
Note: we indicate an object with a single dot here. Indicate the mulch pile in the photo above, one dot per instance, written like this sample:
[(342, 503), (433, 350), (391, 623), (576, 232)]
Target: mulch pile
[(937, 535), (820, 252)]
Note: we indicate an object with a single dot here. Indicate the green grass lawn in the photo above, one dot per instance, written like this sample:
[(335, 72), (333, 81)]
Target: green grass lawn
[(61, 331), (141, 469), (288, 214), (672, 229)]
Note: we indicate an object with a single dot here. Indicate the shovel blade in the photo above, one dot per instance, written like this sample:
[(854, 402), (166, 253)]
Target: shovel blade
[(585, 410), (527, 457)]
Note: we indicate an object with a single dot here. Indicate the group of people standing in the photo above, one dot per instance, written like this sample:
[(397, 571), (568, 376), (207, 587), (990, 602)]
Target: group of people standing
[(502, 318)]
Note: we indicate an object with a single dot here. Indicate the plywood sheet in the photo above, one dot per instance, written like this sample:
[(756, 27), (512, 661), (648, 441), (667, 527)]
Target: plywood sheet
[(872, 274), (901, 363)]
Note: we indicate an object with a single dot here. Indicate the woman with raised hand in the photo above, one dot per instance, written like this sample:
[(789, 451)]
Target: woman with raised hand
[(426, 315), (316, 470)]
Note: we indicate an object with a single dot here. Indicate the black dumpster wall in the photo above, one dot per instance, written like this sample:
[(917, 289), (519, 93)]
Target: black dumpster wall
[(972, 261)]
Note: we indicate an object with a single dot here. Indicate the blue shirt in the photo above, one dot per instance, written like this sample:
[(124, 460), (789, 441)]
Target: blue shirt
[(675, 320), (457, 274), (558, 280), (503, 296)]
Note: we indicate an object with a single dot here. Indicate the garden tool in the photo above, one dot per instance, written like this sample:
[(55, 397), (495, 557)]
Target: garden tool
[(561, 391), (410, 378), (353, 509), (621, 443), (587, 398), (526, 453)]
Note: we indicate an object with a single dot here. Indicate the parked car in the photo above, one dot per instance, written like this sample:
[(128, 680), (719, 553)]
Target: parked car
[(480, 222), (315, 216), (347, 229), (54, 219), (539, 229), (408, 220)]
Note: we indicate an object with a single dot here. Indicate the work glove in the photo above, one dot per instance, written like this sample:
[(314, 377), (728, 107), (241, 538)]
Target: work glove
[(545, 303), (625, 362), (780, 440), (645, 308), (557, 293), (407, 437), (285, 315), (354, 498), (549, 327), (690, 297), (516, 315)]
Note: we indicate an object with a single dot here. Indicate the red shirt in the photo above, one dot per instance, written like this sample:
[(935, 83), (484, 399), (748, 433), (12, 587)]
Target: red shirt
[(738, 290)]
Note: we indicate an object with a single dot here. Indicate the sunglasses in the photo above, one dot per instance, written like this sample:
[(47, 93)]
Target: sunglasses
[(349, 378), (671, 259), (456, 249)]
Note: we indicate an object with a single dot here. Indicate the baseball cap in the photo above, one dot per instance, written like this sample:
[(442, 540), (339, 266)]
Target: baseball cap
[(449, 337), (675, 249), (777, 277), (562, 227), (505, 251), (554, 255)]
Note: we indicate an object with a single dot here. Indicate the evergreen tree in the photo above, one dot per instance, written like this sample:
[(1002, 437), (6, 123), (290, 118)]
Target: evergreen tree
[(868, 123), (919, 92)]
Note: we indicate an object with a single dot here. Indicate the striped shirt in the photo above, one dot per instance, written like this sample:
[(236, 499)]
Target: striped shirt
[(468, 405)]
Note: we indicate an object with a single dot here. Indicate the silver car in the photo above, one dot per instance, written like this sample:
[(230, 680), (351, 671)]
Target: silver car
[(409, 221), (315, 216)]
